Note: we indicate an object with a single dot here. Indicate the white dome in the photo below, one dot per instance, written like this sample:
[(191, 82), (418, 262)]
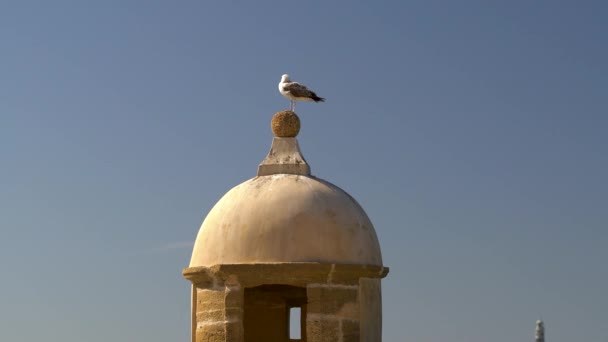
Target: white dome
[(286, 218)]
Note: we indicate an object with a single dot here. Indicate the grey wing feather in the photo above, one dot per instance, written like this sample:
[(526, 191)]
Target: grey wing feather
[(297, 90)]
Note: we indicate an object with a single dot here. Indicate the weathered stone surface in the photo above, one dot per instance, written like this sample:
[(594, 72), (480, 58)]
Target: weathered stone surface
[(350, 331), (294, 273), (210, 314), (233, 297), (210, 298), (210, 333), (284, 157), (323, 330), (343, 274), (233, 313), (285, 124), (286, 216), (219, 314), (339, 301), (370, 303), (234, 332)]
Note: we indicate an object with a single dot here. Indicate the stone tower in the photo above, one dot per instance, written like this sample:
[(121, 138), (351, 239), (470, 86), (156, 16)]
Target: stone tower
[(539, 332), (284, 241)]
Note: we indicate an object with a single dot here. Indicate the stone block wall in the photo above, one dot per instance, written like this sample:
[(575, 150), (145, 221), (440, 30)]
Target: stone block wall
[(219, 314), (333, 313), (340, 303)]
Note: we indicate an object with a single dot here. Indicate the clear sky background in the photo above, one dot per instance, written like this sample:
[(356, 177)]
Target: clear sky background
[(474, 133)]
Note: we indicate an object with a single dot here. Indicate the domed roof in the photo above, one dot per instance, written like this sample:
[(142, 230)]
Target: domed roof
[(286, 218), (286, 215)]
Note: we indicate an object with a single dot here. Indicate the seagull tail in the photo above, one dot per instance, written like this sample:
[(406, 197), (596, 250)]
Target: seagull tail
[(315, 98)]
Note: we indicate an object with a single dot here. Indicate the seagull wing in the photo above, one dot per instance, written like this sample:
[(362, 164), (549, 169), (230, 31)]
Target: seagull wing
[(298, 90)]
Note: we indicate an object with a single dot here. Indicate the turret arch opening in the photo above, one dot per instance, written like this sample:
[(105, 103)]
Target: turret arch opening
[(267, 313)]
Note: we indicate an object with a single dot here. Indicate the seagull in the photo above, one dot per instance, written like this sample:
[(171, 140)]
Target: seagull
[(295, 91)]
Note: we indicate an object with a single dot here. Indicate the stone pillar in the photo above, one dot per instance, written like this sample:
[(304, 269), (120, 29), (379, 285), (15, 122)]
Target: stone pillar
[(234, 306), (370, 304), (219, 314), (193, 294), (332, 313)]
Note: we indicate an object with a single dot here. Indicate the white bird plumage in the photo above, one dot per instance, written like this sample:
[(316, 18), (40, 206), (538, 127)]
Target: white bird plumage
[(295, 91)]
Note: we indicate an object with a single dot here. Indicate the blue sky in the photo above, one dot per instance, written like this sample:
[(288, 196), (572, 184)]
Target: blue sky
[(472, 132)]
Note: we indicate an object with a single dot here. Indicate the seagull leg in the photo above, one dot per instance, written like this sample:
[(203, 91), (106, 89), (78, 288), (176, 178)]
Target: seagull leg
[(293, 105)]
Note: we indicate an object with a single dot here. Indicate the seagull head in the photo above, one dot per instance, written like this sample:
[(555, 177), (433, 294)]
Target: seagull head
[(284, 78)]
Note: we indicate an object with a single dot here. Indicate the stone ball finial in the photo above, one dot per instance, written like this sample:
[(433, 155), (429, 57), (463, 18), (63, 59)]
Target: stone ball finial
[(285, 124)]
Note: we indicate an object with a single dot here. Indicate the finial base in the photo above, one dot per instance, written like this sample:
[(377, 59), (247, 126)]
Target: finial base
[(284, 158)]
